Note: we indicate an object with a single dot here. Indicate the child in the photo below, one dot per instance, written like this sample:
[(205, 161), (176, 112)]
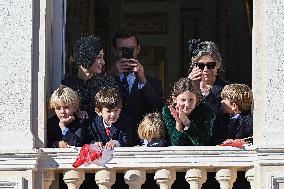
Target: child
[(107, 129), (189, 120), (237, 101), (152, 131), (63, 129)]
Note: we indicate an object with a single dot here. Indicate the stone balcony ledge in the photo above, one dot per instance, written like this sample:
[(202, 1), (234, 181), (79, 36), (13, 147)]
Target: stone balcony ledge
[(177, 157)]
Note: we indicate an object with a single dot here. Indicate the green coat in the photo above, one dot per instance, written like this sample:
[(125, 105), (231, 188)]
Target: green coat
[(200, 130)]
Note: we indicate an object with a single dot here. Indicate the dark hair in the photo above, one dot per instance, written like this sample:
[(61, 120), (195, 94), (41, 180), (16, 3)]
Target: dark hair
[(86, 49), (186, 84), (108, 98), (123, 34)]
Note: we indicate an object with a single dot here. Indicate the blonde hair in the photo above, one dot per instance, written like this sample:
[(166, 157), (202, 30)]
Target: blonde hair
[(65, 95), (108, 98), (151, 127), (240, 94)]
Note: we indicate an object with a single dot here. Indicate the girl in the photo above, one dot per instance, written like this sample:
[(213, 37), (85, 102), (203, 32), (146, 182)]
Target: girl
[(188, 119)]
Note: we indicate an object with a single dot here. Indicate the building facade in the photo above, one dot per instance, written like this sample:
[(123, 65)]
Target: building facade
[(31, 60)]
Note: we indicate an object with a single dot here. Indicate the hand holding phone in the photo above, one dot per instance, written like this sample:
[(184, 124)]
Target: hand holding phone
[(127, 52)]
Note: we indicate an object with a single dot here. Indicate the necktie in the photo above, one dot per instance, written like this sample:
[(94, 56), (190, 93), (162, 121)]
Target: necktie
[(108, 131), (125, 88)]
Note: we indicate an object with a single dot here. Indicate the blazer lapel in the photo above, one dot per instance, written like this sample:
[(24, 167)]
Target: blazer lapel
[(101, 129), (112, 132), (240, 122)]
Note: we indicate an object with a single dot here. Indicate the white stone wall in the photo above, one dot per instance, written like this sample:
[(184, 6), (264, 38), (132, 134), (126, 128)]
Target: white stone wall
[(268, 72), (15, 74)]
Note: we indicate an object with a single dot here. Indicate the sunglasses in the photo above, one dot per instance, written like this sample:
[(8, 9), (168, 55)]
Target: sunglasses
[(209, 65)]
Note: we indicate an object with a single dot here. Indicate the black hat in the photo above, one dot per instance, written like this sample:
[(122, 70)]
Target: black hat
[(194, 47), (86, 49)]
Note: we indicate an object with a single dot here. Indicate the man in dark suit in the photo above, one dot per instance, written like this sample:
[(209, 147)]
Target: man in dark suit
[(140, 94)]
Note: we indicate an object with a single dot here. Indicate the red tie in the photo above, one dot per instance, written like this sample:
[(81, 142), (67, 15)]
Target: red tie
[(107, 131)]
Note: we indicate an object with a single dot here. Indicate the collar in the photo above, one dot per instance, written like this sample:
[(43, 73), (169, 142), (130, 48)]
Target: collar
[(130, 75), (105, 125), (234, 117)]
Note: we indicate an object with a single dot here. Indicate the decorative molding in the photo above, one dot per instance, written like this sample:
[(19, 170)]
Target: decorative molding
[(275, 180), (12, 183), (145, 23)]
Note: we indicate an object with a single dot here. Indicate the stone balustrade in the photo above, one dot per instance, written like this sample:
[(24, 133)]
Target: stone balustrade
[(136, 162)]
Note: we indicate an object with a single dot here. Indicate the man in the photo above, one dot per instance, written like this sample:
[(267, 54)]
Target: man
[(140, 94)]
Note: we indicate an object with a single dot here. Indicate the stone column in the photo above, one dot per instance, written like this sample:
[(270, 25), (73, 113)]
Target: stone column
[(226, 178), (196, 177), (135, 178), (165, 178), (250, 177), (48, 178), (73, 178), (16, 49), (105, 179), (268, 72), (268, 78)]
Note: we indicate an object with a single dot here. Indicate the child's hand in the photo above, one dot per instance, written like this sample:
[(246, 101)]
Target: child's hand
[(175, 114), (98, 144), (82, 114), (62, 144), (64, 121), (179, 126), (183, 118), (111, 144), (231, 141)]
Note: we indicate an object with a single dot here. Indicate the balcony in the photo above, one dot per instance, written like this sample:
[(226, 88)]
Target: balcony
[(136, 162)]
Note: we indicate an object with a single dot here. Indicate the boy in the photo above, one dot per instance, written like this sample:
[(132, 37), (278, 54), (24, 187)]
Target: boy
[(63, 129), (237, 101), (151, 131), (107, 128)]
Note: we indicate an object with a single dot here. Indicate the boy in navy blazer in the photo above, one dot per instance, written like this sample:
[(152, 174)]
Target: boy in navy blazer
[(107, 128), (237, 101)]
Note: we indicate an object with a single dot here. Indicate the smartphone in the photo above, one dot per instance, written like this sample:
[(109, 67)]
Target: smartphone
[(127, 52)]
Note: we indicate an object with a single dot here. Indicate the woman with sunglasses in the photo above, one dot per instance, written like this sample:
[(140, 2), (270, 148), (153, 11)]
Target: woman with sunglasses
[(206, 63)]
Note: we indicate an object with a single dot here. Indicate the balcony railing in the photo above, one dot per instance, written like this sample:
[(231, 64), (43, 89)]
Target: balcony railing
[(136, 162)]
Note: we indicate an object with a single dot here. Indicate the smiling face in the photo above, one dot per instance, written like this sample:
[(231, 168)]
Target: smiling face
[(186, 101), (97, 66), (63, 110), (109, 115), (209, 74)]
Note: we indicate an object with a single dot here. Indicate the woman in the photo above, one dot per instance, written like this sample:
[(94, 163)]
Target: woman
[(206, 64), (88, 56)]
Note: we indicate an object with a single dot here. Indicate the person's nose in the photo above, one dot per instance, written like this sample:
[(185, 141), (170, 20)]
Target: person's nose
[(103, 61), (62, 110), (205, 68), (112, 114), (187, 104)]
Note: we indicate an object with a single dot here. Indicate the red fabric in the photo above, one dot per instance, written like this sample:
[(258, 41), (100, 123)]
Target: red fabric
[(87, 155), (237, 144), (108, 131)]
